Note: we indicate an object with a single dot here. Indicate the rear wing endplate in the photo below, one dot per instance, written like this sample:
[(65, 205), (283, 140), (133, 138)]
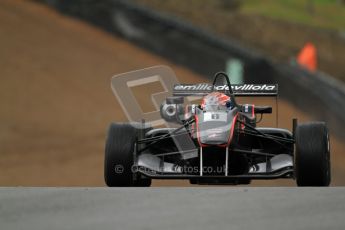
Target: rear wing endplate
[(202, 89)]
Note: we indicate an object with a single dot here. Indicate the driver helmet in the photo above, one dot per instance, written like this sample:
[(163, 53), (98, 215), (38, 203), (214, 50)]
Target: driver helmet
[(216, 101)]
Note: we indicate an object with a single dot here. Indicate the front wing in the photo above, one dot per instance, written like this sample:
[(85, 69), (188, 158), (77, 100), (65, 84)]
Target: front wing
[(279, 166)]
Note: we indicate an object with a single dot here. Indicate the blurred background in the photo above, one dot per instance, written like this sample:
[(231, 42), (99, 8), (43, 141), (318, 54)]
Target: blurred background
[(57, 58)]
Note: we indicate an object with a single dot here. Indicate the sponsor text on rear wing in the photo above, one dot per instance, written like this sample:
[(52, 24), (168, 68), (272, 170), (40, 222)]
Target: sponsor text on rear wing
[(202, 89)]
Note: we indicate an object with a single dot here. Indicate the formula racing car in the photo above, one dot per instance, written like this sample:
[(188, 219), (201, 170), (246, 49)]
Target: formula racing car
[(217, 143)]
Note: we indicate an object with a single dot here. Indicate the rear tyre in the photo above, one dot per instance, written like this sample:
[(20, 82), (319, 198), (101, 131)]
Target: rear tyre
[(120, 155), (312, 155)]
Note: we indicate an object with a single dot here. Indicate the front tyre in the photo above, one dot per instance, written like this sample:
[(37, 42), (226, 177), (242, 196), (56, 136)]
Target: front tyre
[(312, 155), (120, 154)]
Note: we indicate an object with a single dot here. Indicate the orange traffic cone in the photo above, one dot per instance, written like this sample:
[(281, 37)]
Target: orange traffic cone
[(308, 57)]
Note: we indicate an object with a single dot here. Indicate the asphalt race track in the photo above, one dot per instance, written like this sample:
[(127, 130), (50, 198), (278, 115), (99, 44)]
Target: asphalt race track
[(172, 208)]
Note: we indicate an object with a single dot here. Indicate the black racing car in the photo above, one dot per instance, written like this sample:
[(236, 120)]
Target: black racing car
[(217, 143)]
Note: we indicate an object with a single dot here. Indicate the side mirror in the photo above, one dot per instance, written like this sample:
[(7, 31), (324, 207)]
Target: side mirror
[(172, 110)]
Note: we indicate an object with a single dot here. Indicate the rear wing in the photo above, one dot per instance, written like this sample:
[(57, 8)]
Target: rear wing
[(202, 89)]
